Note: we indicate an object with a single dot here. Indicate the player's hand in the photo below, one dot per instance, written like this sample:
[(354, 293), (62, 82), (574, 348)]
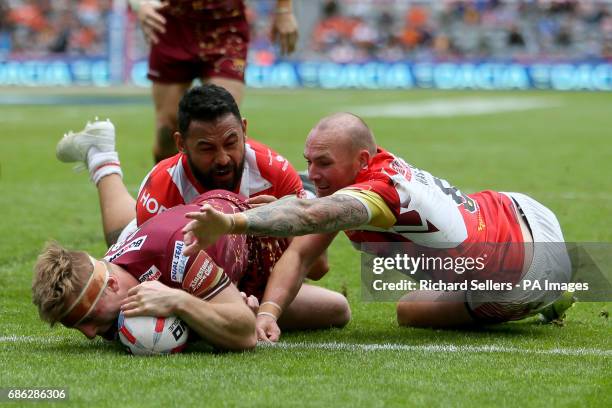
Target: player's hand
[(207, 227), (260, 200), (285, 31), (267, 329), (152, 22), (251, 302), (151, 298)]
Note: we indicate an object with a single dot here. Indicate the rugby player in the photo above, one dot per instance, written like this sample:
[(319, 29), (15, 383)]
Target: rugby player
[(375, 196), (214, 154), (200, 39), (87, 294), (148, 274)]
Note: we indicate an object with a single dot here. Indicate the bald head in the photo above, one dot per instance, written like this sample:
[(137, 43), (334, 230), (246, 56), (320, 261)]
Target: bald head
[(346, 130), (337, 149)]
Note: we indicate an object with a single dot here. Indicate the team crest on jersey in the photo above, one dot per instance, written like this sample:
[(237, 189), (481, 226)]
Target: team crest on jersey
[(179, 262), (134, 245), (150, 275)]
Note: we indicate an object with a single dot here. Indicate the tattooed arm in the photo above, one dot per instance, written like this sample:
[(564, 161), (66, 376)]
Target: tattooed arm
[(294, 216), (282, 218)]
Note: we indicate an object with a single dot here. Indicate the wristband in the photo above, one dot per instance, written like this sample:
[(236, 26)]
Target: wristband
[(239, 224), (271, 309), (274, 304), (267, 314), (283, 10)]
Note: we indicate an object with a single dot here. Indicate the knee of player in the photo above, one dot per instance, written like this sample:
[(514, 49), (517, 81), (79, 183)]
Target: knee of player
[(408, 314), (341, 311)]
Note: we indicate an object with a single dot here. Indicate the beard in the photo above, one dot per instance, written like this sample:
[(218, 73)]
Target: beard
[(208, 180)]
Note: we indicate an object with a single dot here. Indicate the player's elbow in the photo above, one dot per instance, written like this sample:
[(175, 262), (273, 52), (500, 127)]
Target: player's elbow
[(250, 341), (245, 337), (243, 342)]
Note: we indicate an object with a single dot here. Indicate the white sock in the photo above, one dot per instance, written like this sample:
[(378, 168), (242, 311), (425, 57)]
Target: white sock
[(102, 164)]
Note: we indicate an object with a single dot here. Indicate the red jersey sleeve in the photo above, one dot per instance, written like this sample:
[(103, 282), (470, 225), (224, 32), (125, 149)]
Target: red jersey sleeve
[(287, 181), (274, 170)]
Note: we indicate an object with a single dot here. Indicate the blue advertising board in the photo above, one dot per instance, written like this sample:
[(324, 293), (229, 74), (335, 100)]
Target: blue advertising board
[(578, 76)]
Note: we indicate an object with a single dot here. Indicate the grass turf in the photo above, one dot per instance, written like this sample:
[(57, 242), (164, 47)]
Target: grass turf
[(559, 155)]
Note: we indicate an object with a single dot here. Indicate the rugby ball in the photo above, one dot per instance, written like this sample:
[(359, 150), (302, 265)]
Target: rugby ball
[(146, 335)]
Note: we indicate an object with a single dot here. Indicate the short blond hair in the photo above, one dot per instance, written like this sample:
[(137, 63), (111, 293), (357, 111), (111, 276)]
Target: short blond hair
[(58, 274)]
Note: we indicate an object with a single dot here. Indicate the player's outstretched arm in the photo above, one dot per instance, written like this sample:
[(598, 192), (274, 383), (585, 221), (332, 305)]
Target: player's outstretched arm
[(225, 321), (283, 218), (285, 281)]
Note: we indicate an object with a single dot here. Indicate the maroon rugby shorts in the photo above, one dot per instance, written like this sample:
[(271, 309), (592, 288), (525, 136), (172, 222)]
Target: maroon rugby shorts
[(200, 49)]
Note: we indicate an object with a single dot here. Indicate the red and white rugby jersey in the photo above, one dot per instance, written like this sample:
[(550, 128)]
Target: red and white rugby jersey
[(155, 250), (171, 182), (428, 211)]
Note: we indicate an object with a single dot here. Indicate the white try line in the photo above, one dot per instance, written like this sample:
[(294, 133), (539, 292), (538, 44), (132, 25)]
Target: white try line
[(336, 346), (434, 348), (451, 107), (30, 339)]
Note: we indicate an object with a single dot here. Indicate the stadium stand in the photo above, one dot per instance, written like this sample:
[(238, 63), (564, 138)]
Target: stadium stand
[(350, 30)]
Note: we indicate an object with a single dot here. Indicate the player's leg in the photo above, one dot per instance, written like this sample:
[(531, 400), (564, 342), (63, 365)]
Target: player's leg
[(166, 97), (551, 261), (225, 60), (95, 147), (117, 206), (233, 86), (316, 308), (423, 308)]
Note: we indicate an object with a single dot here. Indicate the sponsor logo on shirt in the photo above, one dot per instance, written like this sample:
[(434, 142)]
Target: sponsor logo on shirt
[(150, 203), (134, 245), (401, 167), (179, 262), (150, 275)]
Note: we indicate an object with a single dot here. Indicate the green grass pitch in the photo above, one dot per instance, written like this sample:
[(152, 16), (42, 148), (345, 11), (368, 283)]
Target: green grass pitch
[(561, 155)]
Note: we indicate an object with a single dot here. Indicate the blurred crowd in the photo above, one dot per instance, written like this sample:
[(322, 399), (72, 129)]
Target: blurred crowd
[(358, 30), (350, 30), (33, 28)]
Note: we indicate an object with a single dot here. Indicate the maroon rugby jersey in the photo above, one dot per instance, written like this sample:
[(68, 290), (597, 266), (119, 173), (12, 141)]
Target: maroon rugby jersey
[(155, 250)]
